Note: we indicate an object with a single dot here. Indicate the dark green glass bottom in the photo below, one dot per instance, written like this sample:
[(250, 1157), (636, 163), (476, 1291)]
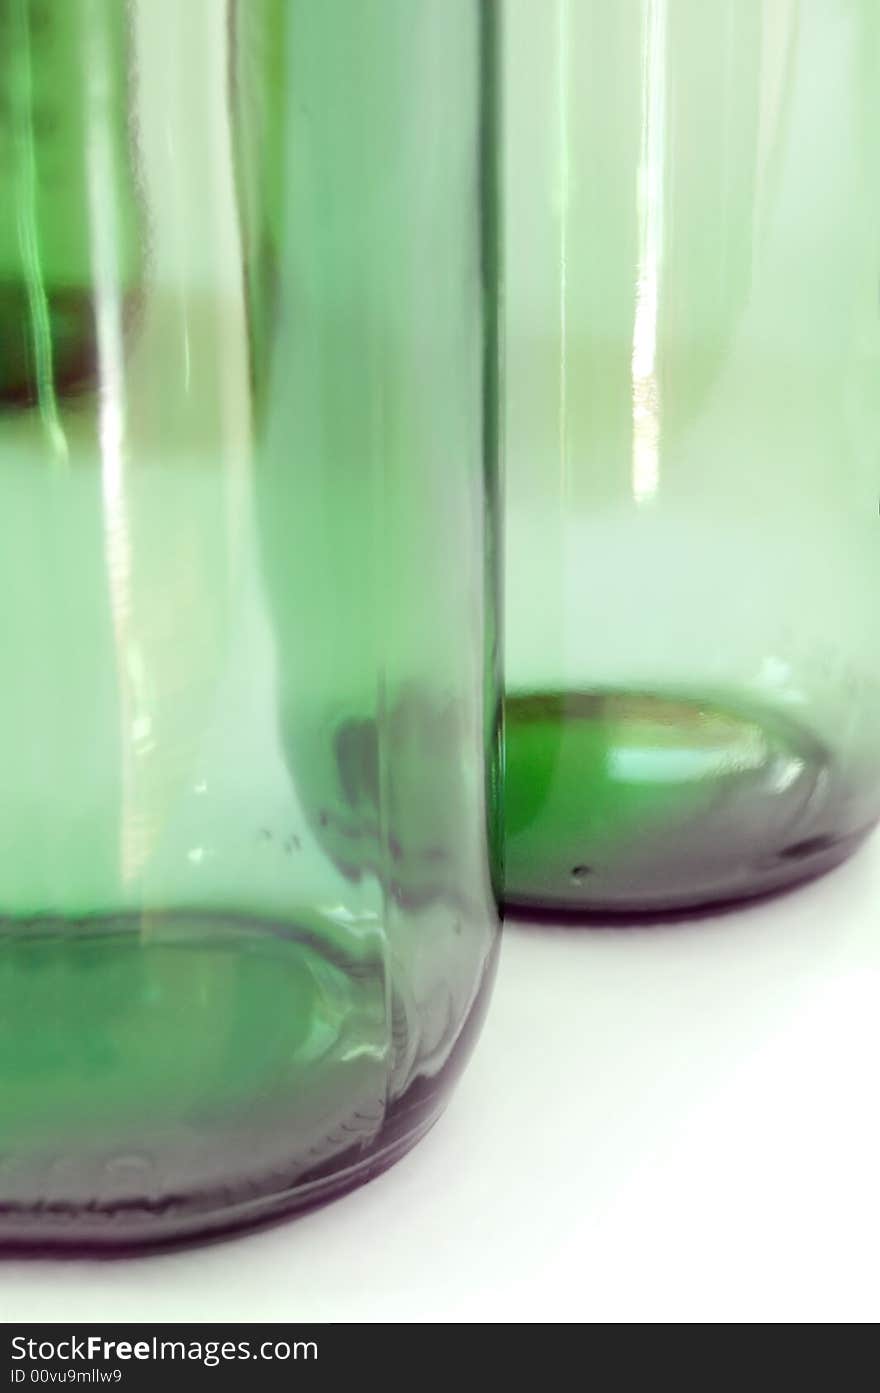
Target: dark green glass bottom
[(641, 802), (166, 1078)]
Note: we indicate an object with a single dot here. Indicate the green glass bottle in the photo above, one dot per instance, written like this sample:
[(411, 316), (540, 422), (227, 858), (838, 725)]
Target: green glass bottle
[(692, 344), (236, 977), (67, 164)]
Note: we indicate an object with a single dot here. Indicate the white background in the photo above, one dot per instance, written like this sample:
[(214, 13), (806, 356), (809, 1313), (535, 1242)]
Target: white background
[(669, 1123)]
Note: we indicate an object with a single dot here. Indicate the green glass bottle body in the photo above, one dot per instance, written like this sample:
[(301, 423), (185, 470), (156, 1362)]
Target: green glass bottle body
[(239, 967), (691, 343)]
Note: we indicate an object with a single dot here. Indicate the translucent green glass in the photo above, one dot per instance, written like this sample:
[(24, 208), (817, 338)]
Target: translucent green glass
[(692, 422), (248, 717), (65, 147)]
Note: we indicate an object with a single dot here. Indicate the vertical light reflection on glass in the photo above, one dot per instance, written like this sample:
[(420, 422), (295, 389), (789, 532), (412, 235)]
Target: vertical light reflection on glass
[(28, 235), (235, 400), (563, 200), (178, 201), (778, 39), (104, 239), (645, 389)]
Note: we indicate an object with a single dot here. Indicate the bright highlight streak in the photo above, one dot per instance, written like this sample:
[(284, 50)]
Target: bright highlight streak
[(645, 388)]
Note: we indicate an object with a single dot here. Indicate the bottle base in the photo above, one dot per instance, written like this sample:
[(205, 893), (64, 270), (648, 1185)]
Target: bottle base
[(132, 1228), (643, 803), (169, 1077)]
